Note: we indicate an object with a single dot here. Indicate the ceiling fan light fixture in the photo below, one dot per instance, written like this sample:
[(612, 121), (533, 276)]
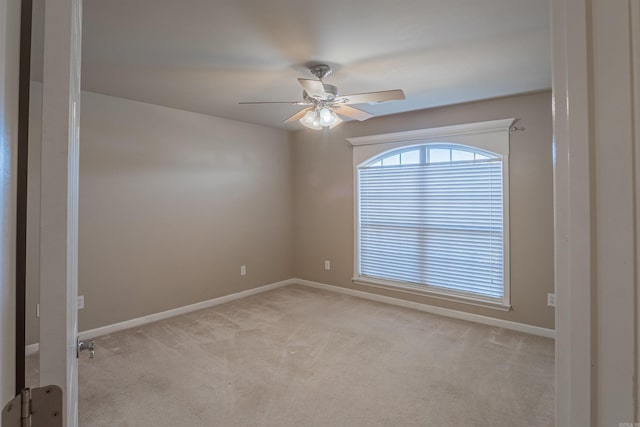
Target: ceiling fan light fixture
[(326, 117), (320, 118), (311, 120), (336, 120)]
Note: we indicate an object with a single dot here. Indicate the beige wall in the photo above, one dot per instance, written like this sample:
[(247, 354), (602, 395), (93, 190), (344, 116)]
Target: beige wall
[(323, 200), (9, 53), (172, 203)]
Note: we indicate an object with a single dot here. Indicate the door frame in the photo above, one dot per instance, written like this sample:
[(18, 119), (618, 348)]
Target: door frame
[(59, 173), (596, 106), (572, 216), (21, 192), (9, 100)]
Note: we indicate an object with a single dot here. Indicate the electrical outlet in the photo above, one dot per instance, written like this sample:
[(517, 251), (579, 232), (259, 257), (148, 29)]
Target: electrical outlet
[(551, 300), (243, 270), (327, 265), (80, 302)]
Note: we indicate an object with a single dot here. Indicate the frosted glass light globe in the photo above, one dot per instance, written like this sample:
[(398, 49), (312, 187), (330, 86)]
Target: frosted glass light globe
[(326, 117), (311, 120)]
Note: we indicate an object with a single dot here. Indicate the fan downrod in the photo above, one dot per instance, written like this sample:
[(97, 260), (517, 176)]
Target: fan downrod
[(320, 70)]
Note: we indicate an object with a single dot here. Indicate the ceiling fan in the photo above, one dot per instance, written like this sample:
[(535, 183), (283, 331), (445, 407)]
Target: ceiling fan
[(325, 105)]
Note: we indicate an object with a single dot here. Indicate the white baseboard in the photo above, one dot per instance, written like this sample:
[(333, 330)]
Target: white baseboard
[(506, 324), (128, 324), (133, 323)]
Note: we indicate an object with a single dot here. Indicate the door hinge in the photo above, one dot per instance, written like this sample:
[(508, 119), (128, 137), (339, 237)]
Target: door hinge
[(36, 407)]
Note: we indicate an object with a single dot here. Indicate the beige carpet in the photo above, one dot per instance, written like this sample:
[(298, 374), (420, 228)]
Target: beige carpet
[(298, 356)]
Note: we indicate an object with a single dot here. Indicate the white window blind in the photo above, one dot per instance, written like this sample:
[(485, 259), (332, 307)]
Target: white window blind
[(437, 225)]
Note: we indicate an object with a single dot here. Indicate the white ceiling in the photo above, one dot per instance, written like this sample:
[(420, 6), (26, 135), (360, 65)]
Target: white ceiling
[(206, 56)]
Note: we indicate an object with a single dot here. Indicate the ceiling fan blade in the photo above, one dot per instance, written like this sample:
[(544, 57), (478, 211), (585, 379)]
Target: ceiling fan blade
[(276, 102), (351, 112), (314, 88), (372, 97), (296, 116)]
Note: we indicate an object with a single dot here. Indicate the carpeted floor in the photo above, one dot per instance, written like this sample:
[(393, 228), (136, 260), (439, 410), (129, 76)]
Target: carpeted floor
[(298, 356)]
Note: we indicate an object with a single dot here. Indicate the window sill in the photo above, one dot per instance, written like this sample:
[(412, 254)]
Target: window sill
[(419, 290)]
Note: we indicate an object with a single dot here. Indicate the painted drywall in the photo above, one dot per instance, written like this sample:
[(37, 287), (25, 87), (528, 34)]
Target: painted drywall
[(9, 54), (323, 201), (172, 203)]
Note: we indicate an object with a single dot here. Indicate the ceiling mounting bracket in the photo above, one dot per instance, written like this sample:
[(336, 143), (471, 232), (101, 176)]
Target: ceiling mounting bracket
[(320, 70)]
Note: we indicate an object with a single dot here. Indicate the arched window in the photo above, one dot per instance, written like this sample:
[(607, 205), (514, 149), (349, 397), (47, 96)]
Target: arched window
[(432, 153), (431, 217)]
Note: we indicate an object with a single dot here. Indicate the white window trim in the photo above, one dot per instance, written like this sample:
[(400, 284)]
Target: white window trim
[(490, 136)]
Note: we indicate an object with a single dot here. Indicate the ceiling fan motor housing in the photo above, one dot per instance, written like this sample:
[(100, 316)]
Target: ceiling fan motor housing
[(330, 90)]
